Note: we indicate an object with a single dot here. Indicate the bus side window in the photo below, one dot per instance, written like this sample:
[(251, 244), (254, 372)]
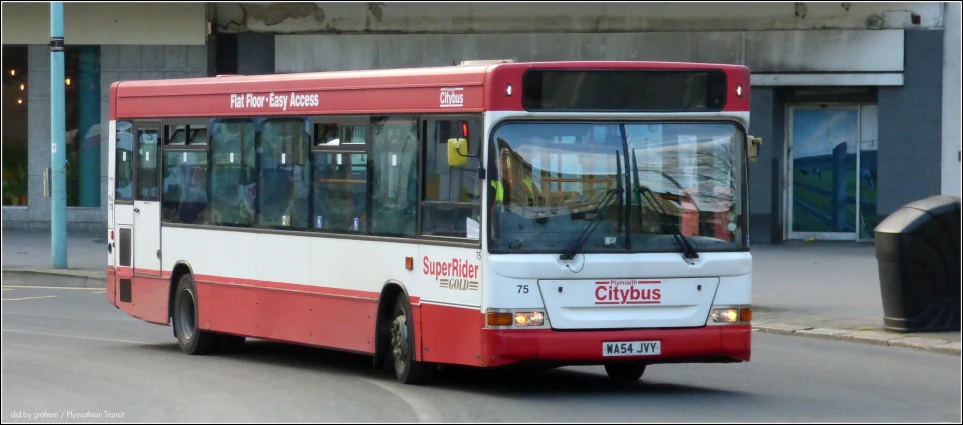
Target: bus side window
[(233, 181), (394, 174), (123, 163), (340, 191), (184, 186), (284, 175), (452, 195)]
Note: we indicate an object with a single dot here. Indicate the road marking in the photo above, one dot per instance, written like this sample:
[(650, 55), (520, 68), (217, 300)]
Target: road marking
[(6, 289), (101, 292), (51, 287), (423, 408), (29, 298), (88, 338)]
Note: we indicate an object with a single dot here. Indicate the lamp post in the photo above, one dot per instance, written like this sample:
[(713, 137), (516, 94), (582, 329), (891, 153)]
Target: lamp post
[(58, 154)]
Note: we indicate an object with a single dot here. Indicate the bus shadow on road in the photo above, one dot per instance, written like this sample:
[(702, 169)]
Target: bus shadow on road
[(522, 382), (515, 382)]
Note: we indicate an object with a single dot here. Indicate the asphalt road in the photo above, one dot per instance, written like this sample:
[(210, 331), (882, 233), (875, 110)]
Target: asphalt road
[(71, 351)]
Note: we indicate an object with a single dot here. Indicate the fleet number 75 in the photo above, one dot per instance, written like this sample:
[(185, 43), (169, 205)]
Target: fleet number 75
[(522, 289)]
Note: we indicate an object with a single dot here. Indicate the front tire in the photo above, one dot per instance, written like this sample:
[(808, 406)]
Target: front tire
[(191, 340), (407, 370), (625, 373)]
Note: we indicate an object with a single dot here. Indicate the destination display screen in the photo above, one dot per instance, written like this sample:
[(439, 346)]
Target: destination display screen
[(624, 90)]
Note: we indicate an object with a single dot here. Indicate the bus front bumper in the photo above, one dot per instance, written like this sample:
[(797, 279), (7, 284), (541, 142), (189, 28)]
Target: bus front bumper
[(730, 343)]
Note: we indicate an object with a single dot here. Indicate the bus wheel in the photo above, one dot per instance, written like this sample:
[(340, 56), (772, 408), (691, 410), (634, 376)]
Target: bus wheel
[(191, 339), (625, 372), (407, 369)]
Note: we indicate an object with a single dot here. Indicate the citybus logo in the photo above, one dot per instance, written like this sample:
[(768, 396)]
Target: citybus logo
[(627, 292), (452, 97), (455, 274)]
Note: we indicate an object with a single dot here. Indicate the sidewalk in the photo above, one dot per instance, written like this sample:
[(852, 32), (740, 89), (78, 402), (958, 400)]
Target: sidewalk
[(825, 290), (27, 260), (828, 290)]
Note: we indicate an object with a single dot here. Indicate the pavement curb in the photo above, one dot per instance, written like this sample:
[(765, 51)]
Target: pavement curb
[(865, 337), (55, 278)]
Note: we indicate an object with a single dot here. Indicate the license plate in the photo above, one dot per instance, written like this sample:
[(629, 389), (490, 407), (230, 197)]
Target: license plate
[(632, 348)]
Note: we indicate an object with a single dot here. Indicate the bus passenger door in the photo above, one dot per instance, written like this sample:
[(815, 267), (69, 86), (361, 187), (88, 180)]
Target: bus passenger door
[(146, 217), (122, 229)]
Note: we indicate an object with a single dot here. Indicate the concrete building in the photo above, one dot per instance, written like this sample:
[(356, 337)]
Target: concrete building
[(104, 43), (858, 104)]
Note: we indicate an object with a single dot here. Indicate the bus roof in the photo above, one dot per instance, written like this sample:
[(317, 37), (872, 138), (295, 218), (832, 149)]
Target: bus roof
[(466, 89)]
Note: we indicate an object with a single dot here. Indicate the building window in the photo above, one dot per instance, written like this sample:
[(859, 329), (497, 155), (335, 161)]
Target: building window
[(284, 176), (394, 175), (233, 172), (452, 195), (14, 145), (82, 139)]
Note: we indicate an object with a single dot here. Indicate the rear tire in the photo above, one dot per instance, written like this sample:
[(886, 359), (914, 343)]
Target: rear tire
[(407, 370), (625, 373), (191, 340)]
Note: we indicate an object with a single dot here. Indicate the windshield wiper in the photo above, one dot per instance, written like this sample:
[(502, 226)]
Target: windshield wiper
[(616, 193), (689, 252)]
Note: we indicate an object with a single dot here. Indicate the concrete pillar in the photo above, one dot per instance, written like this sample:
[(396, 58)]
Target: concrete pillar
[(89, 132), (951, 100), (58, 163)]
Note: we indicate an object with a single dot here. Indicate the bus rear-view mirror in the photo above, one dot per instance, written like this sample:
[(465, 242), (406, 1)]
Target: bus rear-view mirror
[(754, 144), (457, 152)]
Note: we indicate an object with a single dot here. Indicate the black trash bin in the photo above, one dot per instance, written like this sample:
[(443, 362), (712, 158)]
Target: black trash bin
[(918, 253)]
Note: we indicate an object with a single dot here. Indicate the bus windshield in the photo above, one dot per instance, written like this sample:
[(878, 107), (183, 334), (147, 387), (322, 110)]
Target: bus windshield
[(682, 180)]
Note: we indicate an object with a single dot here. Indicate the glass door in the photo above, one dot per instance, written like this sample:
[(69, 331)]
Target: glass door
[(823, 161)]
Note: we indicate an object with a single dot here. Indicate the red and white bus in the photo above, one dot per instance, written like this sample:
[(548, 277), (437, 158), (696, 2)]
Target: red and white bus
[(483, 215)]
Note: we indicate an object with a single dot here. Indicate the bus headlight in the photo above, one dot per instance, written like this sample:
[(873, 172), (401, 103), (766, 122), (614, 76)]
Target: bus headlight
[(730, 315), (725, 315), (509, 318), (529, 319)]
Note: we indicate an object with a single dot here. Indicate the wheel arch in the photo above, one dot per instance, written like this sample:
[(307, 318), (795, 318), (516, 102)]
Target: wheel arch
[(180, 269)]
